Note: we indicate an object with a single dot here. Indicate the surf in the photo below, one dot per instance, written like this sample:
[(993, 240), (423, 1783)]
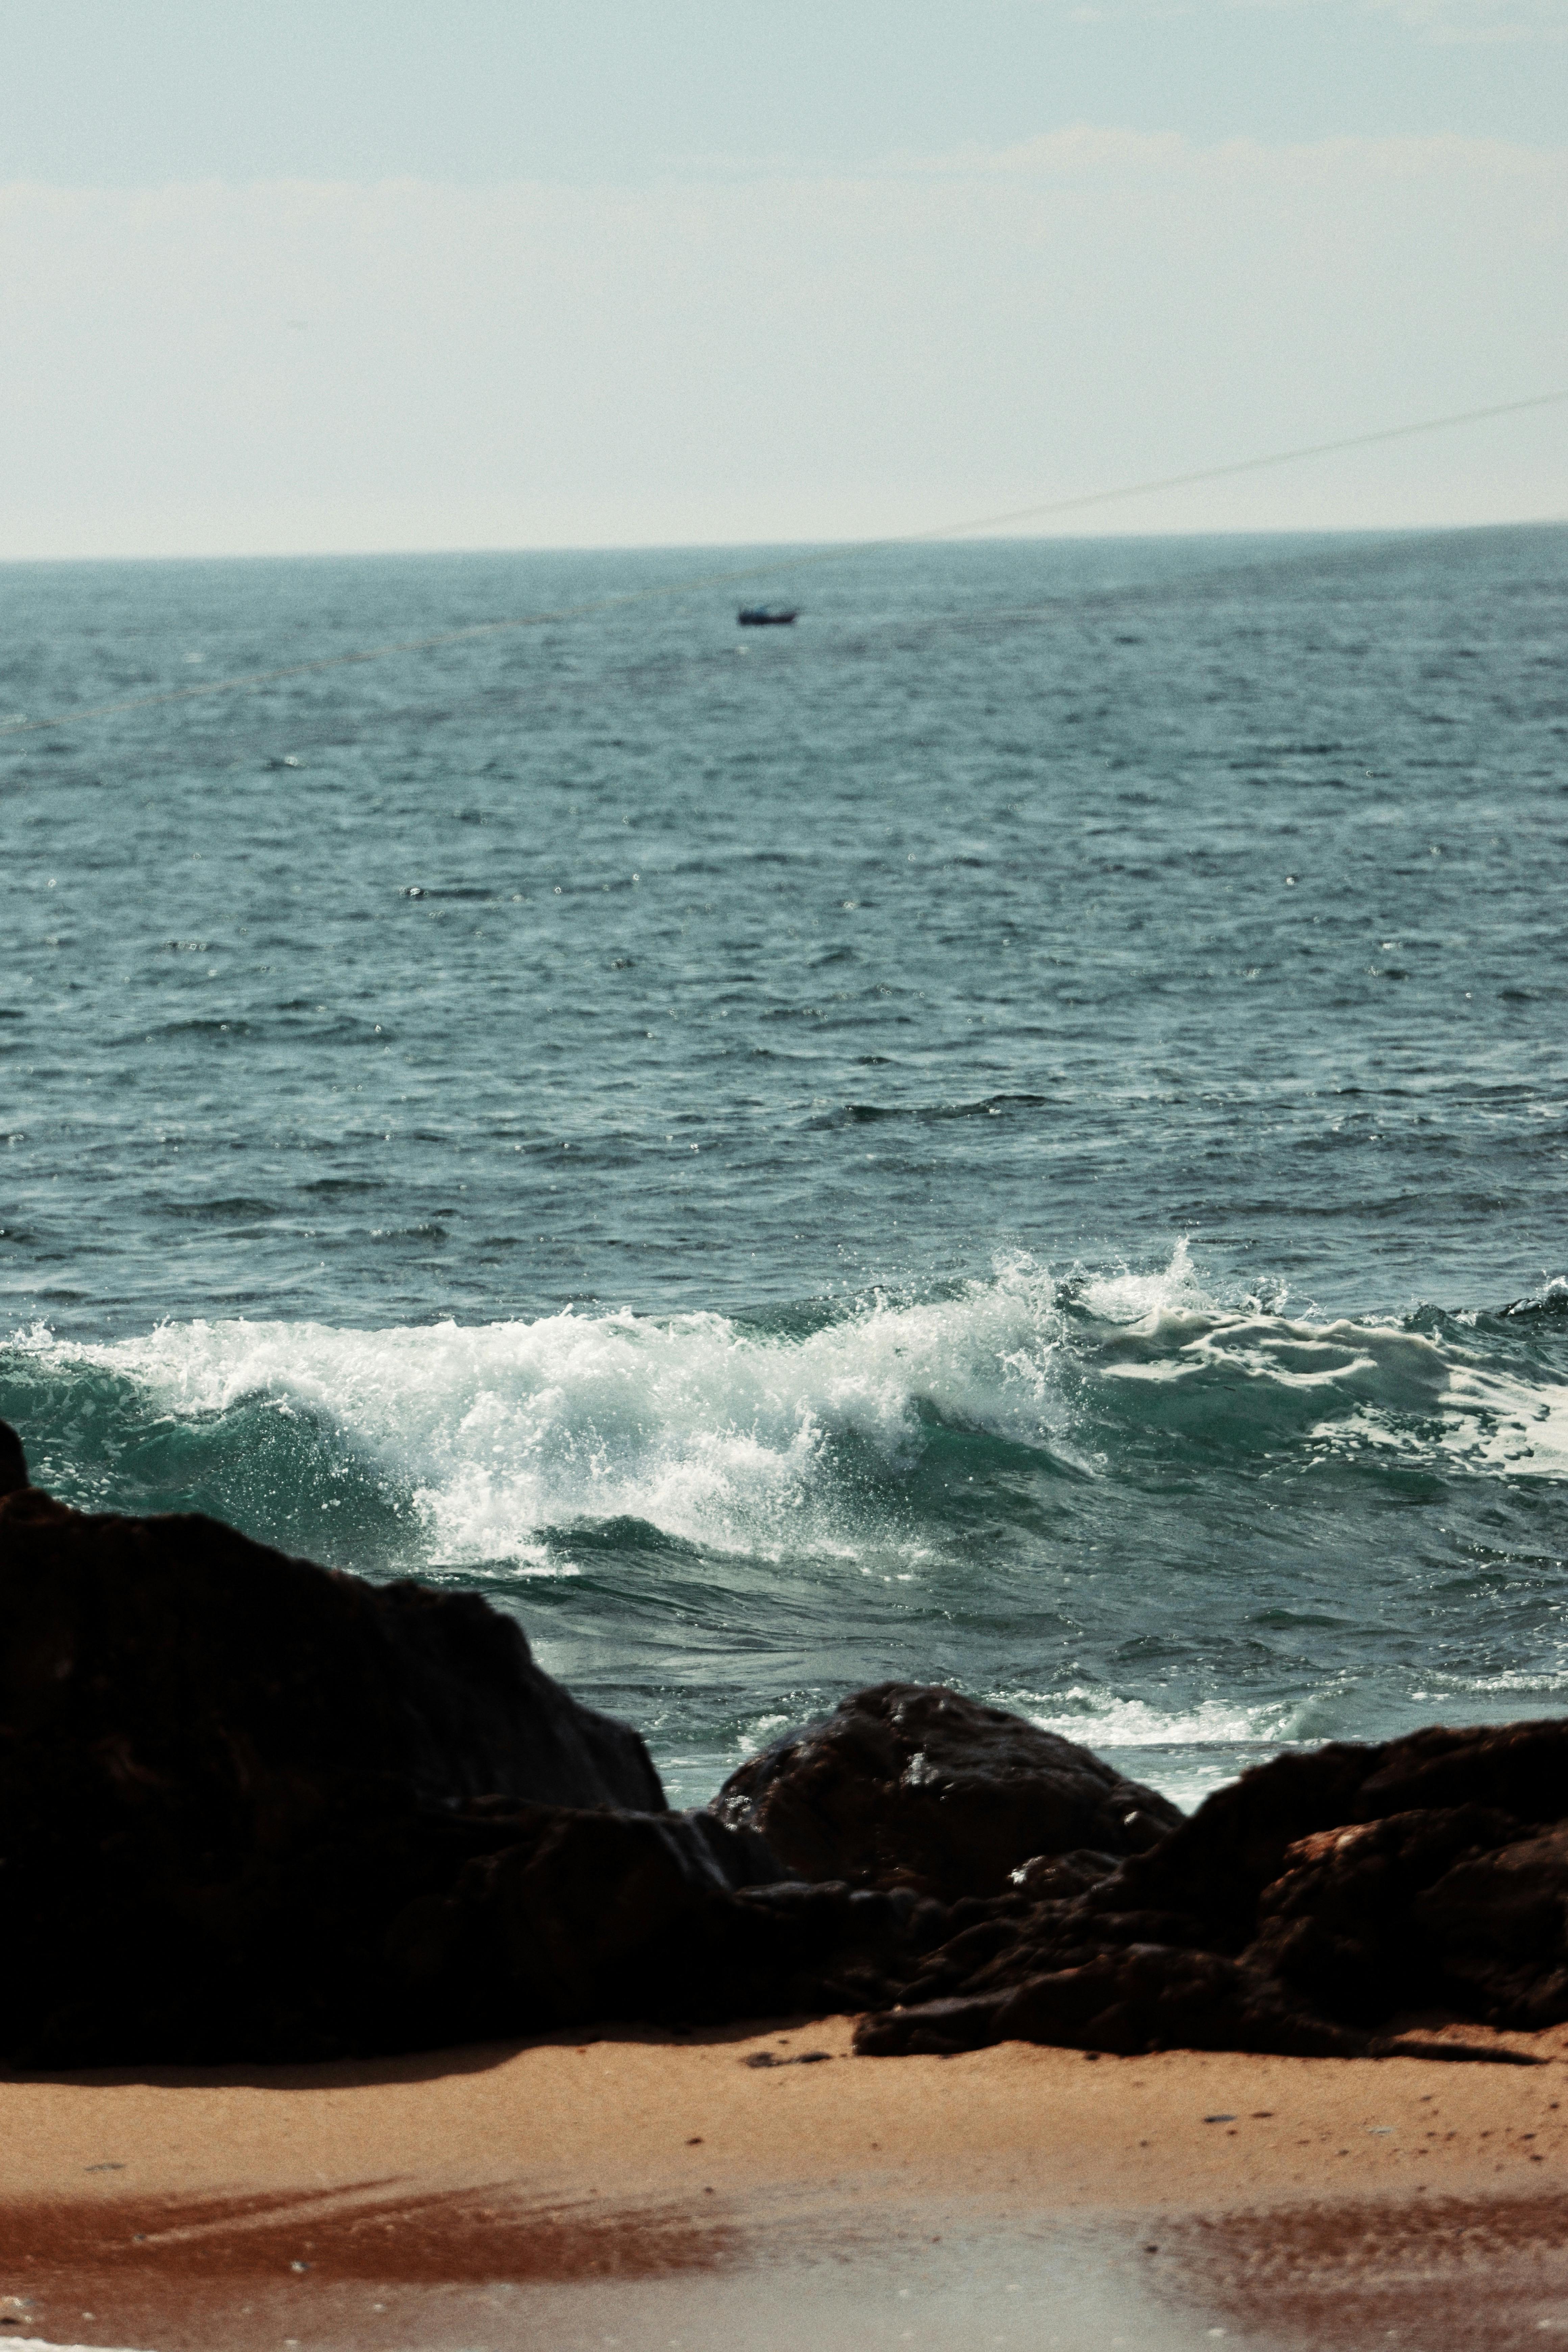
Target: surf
[(798, 1432)]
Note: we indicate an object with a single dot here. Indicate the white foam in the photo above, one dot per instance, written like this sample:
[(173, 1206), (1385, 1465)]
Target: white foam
[(1146, 1299), (1508, 1425), (744, 1441), (1527, 1683), (1100, 1719), (1374, 1383), (710, 1432), (1185, 1752)]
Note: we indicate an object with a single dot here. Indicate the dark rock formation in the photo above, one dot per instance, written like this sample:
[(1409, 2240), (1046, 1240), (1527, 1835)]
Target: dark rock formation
[(593, 1915), (13, 1461), (1151, 1997), (251, 1809), (905, 1786), (1320, 1896), (1146, 1997), (193, 1656), (227, 1776)]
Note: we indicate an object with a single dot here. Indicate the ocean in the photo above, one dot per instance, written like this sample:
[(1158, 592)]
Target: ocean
[(1015, 1133)]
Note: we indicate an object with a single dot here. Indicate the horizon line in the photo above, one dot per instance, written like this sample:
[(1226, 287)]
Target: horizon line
[(856, 543)]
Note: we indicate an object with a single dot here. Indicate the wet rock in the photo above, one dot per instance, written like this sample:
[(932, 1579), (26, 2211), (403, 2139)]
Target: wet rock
[(1057, 1877), (1346, 1925), (1511, 1899), (908, 1785), (595, 1915), (252, 1809)]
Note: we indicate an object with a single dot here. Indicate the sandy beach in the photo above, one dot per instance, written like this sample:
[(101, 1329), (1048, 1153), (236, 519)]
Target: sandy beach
[(745, 2188)]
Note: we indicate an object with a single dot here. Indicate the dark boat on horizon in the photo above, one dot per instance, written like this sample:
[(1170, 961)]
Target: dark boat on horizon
[(766, 616)]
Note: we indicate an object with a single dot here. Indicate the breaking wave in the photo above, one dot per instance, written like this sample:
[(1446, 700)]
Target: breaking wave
[(827, 1430)]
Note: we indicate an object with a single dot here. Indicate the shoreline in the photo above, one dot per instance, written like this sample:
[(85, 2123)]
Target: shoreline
[(658, 2187)]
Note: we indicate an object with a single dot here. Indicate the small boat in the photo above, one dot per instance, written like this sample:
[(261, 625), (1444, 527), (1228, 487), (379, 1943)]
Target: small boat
[(767, 617)]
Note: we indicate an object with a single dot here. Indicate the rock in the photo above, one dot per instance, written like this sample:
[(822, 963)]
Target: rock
[(1055, 1877), (908, 1785), (1343, 1927), (224, 1774), (1317, 1896), (251, 1809), (1147, 1998), (254, 1809), (180, 1654), (13, 1461), (669, 1917), (1499, 1920)]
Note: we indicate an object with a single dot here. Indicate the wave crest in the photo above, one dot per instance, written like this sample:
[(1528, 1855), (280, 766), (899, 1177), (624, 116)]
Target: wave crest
[(492, 1442), (728, 1435)]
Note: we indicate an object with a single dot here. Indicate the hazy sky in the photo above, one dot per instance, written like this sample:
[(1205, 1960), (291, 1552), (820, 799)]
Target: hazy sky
[(629, 271)]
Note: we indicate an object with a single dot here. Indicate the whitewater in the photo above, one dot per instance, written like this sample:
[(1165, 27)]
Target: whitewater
[(1015, 1136), (698, 1446)]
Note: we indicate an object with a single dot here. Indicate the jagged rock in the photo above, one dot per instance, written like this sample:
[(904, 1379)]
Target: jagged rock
[(908, 1785), (1147, 1998), (252, 1809), (1347, 1923), (1316, 1895)]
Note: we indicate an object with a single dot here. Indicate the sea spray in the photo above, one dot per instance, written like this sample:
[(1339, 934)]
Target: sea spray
[(993, 1475)]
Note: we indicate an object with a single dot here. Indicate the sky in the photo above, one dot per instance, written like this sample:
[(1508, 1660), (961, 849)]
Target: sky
[(282, 279)]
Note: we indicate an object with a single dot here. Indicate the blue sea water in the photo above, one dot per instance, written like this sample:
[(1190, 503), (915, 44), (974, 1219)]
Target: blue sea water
[(1014, 1133)]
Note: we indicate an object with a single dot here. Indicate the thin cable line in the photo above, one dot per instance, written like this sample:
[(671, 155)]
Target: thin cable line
[(1251, 465), (250, 680)]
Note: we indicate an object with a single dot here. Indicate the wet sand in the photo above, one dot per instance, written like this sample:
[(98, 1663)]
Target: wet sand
[(658, 2190)]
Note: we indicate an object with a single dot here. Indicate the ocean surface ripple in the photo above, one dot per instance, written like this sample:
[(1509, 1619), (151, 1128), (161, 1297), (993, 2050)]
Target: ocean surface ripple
[(1016, 1134)]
